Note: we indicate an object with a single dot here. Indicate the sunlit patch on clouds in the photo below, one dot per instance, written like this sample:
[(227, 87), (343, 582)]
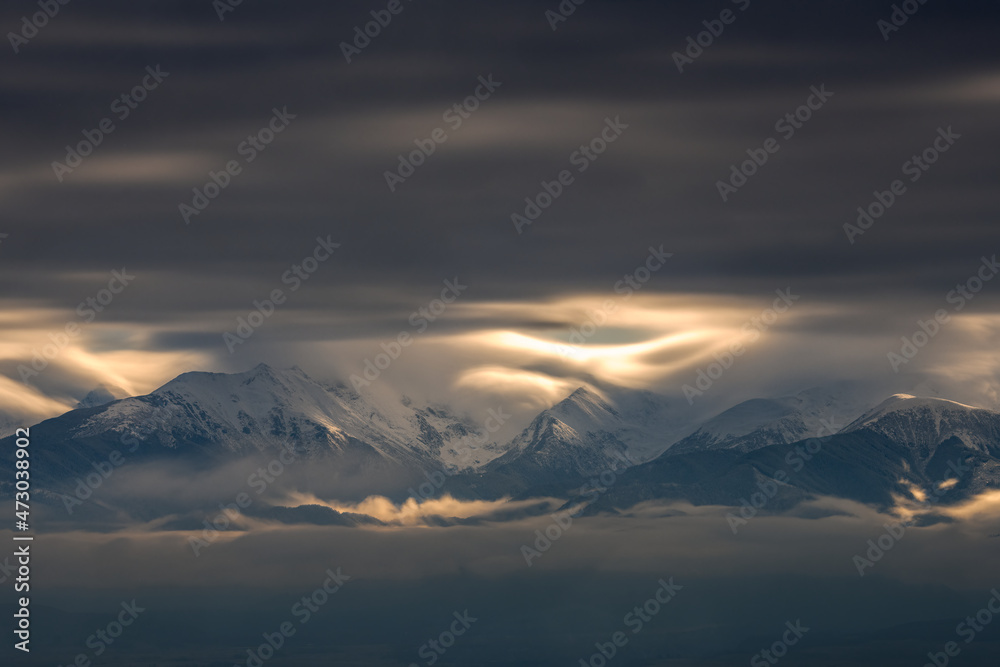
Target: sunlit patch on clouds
[(976, 511), (145, 168), (26, 403), (522, 356), (978, 87), (983, 508), (644, 340), (525, 355), (501, 124), (415, 512), (516, 387), (163, 168), (963, 355), (59, 369)]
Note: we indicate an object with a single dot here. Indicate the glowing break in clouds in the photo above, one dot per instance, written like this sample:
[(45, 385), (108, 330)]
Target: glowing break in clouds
[(417, 513)]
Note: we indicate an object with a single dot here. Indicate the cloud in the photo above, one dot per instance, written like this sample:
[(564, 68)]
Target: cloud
[(414, 512), (325, 175), (694, 541)]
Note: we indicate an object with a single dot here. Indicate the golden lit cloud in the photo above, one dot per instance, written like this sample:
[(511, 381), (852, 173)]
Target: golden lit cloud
[(414, 512), (37, 346)]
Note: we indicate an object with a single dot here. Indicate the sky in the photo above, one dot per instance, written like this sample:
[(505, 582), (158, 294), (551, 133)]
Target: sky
[(620, 142)]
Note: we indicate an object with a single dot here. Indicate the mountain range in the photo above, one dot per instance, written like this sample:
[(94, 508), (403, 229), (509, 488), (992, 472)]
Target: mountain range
[(904, 446)]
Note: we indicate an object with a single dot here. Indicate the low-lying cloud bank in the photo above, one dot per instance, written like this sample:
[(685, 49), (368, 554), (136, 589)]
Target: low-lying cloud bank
[(955, 546)]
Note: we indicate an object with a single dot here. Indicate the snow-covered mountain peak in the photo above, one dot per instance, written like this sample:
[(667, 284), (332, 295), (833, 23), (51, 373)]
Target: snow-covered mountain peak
[(252, 394), (908, 403), (595, 429), (264, 408), (748, 416), (927, 422), (102, 394), (760, 422), (585, 409)]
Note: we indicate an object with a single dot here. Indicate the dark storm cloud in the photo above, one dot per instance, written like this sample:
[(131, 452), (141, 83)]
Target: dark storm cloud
[(323, 175)]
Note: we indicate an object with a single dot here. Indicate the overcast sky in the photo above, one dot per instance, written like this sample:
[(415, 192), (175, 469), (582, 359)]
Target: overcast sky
[(656, 184)]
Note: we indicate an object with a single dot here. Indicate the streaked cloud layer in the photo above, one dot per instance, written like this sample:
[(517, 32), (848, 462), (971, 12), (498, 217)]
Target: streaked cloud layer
[(502, 341)]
